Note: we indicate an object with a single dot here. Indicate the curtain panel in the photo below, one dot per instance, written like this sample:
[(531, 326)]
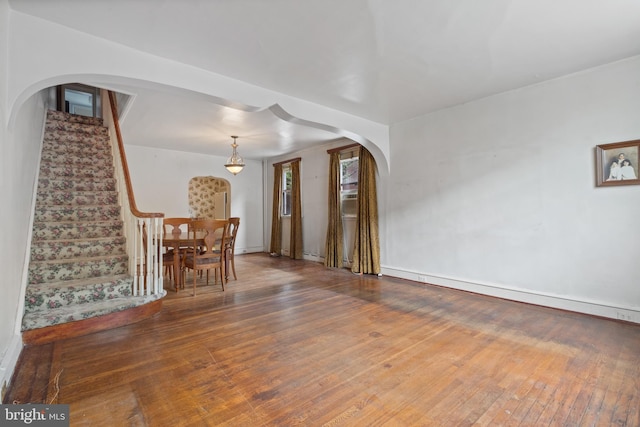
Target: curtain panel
[(366, 252), (333, 255), (295, 247), (276, 232)]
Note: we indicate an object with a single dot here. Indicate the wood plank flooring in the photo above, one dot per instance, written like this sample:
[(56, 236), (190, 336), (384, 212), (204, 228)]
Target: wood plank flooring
[(293, 343)]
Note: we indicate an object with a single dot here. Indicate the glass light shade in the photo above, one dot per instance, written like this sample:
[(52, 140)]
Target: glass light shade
[(234, 164), (234, 169)]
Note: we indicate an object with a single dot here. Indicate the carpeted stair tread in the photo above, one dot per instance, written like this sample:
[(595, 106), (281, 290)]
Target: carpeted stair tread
[(61, 127), (77, 213), (120, 283), (71, 198), (69, 313), (74, 140), (59, 171), (43, 250), (74, 118), (70, 184), (112, 281), (82, 260), (80, 268), (82, 121), (74, 144), (76, 229), (79, 159)]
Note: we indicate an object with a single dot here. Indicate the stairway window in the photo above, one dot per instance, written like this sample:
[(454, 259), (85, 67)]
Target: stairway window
[(78, 99)]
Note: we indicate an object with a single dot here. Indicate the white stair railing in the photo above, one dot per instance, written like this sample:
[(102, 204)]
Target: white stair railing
[(142, 230)]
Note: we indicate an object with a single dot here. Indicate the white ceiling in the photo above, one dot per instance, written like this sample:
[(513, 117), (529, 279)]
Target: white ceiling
[(385, 61)]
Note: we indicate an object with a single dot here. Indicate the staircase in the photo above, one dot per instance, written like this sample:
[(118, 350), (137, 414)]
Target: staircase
[(78, 270)]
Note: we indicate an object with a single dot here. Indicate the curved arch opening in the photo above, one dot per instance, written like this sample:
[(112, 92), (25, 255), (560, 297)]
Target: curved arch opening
[(129, 88)]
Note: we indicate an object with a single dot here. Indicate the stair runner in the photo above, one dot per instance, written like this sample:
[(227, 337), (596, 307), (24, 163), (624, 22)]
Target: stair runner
[(79, 266)]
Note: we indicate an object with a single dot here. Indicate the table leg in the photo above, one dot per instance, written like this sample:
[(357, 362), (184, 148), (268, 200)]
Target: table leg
[(177, 273)]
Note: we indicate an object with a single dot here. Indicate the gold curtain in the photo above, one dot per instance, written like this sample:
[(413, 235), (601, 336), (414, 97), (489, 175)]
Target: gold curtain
[(333, 256), (276, 235), (295, 247), (366, 251)]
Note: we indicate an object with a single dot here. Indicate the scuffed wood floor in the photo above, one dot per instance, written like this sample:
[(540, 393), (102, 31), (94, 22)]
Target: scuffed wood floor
[(293, 343)]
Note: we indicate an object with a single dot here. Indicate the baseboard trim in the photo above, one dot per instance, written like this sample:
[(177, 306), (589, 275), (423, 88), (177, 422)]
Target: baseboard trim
[(312, 257), (249, 250), (9, 362), (595, 308)]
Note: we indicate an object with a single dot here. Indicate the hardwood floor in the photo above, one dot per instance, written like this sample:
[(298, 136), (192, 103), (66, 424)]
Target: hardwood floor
[(293, 343)]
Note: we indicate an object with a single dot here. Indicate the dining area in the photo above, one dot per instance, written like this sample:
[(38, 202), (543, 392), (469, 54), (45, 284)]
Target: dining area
[(198, 247)]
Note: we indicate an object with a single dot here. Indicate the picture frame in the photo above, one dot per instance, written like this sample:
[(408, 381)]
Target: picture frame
[(618, 163)]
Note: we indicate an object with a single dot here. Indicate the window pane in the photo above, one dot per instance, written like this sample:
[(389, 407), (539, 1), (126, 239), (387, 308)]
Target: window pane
[(286, 191), (287, 179), (286, 203), (349, 174), (349, 186)]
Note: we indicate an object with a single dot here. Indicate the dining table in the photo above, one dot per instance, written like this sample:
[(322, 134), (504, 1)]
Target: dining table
[(180, 240)]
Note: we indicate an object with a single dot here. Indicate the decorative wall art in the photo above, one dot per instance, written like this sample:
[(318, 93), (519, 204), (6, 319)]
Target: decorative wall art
[(617, 163)]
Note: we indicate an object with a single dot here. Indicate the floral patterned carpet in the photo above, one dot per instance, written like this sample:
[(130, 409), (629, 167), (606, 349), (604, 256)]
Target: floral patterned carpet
[(79, 265)]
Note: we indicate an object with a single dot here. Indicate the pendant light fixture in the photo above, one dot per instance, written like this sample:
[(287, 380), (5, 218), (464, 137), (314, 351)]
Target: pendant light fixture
[(234, 164)]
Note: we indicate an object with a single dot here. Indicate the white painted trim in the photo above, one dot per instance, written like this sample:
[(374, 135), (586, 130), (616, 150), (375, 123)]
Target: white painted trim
[(249, 250), (10, 359), (313, 257), (563, 302)]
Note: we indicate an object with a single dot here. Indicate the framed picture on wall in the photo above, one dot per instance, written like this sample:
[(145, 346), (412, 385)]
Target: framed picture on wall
[(617, 163)]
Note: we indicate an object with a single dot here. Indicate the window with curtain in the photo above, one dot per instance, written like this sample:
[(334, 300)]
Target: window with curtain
[(287, 203), (353, 211)]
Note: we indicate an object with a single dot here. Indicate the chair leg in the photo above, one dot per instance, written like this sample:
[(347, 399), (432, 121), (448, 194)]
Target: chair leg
[(169, 271), (184, 277), (183, 272), (233, 268), (194, 282)]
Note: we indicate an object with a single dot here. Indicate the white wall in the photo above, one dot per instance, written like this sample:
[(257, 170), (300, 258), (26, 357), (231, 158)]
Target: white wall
[(160, 180), (498, 196), (7, 306)]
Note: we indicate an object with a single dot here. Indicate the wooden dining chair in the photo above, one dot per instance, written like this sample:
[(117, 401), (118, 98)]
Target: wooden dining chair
[(234, 223), (174, 226), (210, 255)]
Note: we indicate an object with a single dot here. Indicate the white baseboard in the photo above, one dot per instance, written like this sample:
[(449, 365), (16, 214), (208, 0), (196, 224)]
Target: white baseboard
[(595, 308), (312, 257), (9, 361), (251, 250), (619, 312)]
